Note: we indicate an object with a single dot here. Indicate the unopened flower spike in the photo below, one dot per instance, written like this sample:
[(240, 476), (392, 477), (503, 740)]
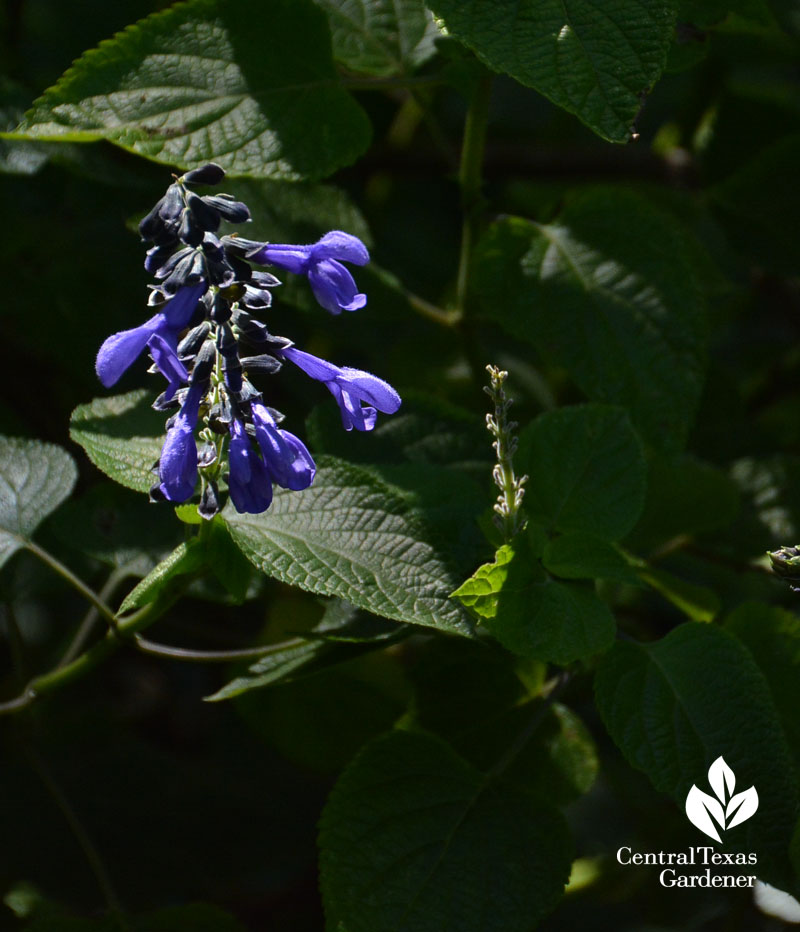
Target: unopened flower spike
[(208, 345), (509, 517)]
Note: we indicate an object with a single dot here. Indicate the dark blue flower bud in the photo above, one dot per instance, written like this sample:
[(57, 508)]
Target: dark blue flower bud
[(204, 363), (220, 273), (206, 217), (256, 298), (162, 403), (171, 203), (229, 209), (220, 415), (228, 344), (241, 269), (206, 455), (161, 261), (193, 339), (263, 363), (190, 231), (209, 501), (207, 174), (152, 224), (241, 245), (265, 279)]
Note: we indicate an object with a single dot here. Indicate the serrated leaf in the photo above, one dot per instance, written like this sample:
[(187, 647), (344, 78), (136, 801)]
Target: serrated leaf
[(607, 291), (380, 37), (595, 58), (412, 837), (534, 615), (213, 81), (184, 560), (676, 705), (35, 478), (586, 470), (122, 436), (586, 556), (350, 536), (772, 636)]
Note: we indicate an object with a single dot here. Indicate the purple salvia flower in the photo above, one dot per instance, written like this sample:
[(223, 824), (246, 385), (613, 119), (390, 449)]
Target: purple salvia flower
[(122, 349), (332, 284), (165, 356), (350, 388), (177, 468), (249, 483), (288, 461)]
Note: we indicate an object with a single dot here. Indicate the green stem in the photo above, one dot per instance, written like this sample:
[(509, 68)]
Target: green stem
[(82, 837), (470, 181), (66, 573), (212, 656), (90, 619)]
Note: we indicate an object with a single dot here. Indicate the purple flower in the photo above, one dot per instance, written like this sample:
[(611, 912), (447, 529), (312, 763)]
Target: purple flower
[(177, 467), (350, 388), (331, 282), (249, 483), (163, 349), (121, 350), (287, 460)]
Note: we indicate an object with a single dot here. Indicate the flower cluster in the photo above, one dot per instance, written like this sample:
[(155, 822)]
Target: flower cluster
[(205, 300)]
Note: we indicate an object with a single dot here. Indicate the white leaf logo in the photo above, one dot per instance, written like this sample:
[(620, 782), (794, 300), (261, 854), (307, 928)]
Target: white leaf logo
[(727, 810)]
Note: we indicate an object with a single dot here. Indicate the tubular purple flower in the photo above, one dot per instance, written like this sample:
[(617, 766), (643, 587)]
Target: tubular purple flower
[(332, 284), (350, 388), (249, 483), (122, 349), (177, 468), (163, 351), (287, 460)]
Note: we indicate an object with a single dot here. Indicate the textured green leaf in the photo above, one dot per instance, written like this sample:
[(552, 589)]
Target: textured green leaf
[(209, 80), (675, 705), (380, 37), (342, 634), (187, 558), (607, 291), (35, 478), (585, 556), (350, 536), (534, 615), (772, 635), (122, 436), (412, 837), (595, 58), (696, 602), (586, 470), (474, 697)]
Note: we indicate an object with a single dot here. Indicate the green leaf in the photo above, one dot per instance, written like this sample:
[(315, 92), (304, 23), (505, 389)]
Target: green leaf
[(321, 722), (122, 436), (342, 634), (412, 837), (532, 614), (696, 602), (186, 559), (761, 202), (684, 496), (471, 694), (585, 556), (595, 58), (35, 478), (607, 291), (674, 706), (586, 470), (772, 635), (350, 536), (208, 80), (381, 38)]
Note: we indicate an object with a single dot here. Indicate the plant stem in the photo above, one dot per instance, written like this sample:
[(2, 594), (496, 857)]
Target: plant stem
[(470, 180), (85, 629), (81, 836), (212, 656), (66, 573)]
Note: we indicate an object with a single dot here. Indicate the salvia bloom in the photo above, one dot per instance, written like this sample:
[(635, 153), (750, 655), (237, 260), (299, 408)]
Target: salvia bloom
[(206, 341)]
